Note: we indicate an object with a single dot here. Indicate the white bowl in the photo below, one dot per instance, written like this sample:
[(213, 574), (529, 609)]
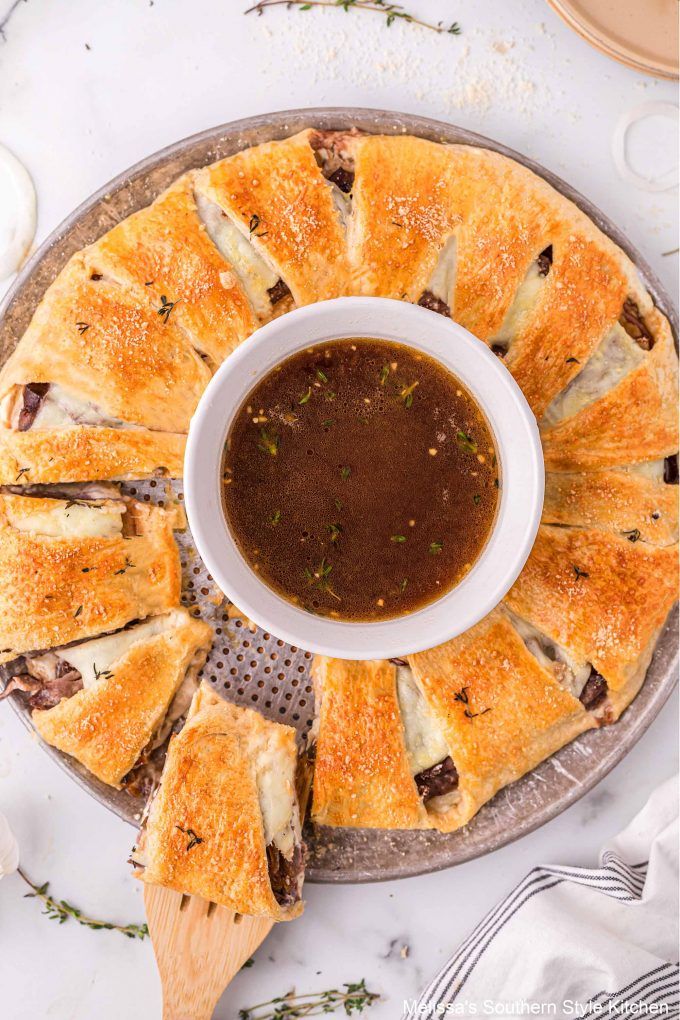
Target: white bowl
[(517, 442)]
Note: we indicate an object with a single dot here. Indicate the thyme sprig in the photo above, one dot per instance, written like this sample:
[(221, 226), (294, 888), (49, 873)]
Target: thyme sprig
[(61, 911), (391, 12), (353, 997)]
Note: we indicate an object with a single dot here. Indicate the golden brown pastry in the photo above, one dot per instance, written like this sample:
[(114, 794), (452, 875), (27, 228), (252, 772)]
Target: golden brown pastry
[(622, 407), (73, 568), (641, 507), (362, 776), (79, 454), (600, 597), (112, 700), (166, 251), (500, 710), (224, 823), (403, 222), (288, 215), (424, 745)]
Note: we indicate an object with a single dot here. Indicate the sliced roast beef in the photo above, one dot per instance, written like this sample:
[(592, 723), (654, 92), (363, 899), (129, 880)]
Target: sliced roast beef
[(437, 780), (44, 680), (670, 470), (635, 326), (594, 692), (544, 261), (343, 179), (429, 300), (33, 396), (286, 875), (332, 154), (278, 292)]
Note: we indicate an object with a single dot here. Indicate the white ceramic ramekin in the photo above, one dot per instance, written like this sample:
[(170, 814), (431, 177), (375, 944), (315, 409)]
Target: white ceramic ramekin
[(517, 442)]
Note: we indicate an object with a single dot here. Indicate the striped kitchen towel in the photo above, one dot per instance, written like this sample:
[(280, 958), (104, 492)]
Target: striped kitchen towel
[(578, 942)]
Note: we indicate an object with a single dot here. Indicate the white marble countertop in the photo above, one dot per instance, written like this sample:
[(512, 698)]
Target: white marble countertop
[(86, 90)]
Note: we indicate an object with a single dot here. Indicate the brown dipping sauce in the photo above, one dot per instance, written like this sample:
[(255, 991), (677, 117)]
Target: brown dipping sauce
[(360, 479)]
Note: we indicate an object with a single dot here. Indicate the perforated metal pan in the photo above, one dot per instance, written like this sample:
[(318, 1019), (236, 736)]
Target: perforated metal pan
[(256, 669)]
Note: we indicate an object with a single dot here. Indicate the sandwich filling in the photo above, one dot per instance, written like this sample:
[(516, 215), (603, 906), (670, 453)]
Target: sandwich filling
[(429, 757), (579, 677)]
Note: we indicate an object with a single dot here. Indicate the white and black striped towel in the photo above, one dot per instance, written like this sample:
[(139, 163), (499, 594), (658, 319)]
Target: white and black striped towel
[(578, 942)]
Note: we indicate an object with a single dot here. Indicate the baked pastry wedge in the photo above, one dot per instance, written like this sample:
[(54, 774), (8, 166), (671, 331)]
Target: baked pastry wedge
[(597, 600), (424, 743), (224, 822), (73, 568), (638, 505), (111, 702), (286, 220)]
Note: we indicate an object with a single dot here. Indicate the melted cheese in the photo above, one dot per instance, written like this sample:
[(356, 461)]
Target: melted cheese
[(92, 658), (653, 469), (61, 409), (570, 672), (275, 776), (615, 357), (443, 279), (525, 299), (75, 521), (425, 743), (255, 273)]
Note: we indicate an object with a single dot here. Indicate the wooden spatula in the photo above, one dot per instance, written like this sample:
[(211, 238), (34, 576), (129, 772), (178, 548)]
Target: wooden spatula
[(200, 946)]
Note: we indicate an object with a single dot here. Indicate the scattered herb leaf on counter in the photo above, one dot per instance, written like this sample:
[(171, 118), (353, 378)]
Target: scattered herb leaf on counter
[(61, 911), (353, 998), (391, 12)]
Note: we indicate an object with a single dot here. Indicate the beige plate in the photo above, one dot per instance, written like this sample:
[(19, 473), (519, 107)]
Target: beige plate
[(257, 669), (640, 33)]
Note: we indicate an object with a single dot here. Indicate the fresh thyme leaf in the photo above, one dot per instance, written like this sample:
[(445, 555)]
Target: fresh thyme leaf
[(61, 911), (82, 327), (321, 375), (194, 840), (106, 674), (269, 443), (22, 471), (572, 361), (338, 504), (435, 548), (473, 715), (397, 538), (254, 224), (249, 963), (384, 374), (407, 394), (305, 396), (128, 564), (335, 531), (166, 308), (276, 517), (353, 997), (578, 572), (318, 578), (391, 12), (466, 442), (327, 422), (477, 499), (345, 472), (329, 395), (402, 586), (77, 612)]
